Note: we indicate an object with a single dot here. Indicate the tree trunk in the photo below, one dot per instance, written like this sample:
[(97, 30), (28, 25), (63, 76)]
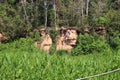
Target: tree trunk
[(82, 10), (54, 8), (46, 10), (25, 13), (87, 7)]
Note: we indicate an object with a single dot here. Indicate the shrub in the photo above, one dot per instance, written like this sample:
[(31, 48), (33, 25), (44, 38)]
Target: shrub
[(101, 21), (114, 42), (22, 44), (53, 34), (114, 21), (35, 35), (89, 44)]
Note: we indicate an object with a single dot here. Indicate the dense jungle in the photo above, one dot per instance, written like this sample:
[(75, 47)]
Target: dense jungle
[(93, 25)]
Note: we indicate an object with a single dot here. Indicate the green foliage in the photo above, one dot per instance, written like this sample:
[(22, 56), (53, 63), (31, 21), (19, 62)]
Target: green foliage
[(2, 11), (114, 18), (62, 52), (114, 42), (101, 21), (35, 35), (18, 20), (53, 49), (19, 45), (12, 24), (19, 60), (90, 44), (54, 35), (11, 1), (51, 18)]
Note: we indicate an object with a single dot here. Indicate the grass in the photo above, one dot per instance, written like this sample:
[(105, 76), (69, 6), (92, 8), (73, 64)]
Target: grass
[(19, 60)]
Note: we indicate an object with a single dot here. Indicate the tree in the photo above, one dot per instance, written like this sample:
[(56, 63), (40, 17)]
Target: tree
[(97, 9)]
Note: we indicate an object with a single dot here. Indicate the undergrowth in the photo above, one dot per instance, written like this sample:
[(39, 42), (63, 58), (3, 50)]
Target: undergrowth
[(20, 60)]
